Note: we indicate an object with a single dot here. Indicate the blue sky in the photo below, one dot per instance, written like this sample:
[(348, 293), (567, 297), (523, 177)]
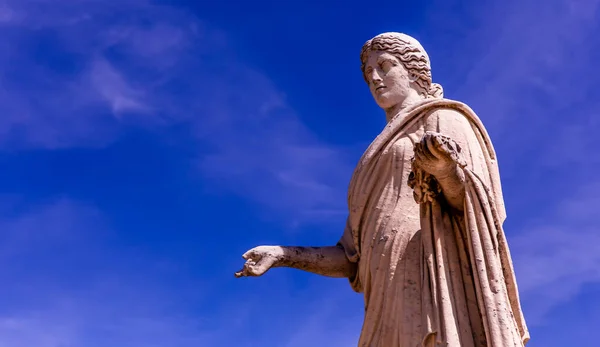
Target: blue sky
[(146, 145)]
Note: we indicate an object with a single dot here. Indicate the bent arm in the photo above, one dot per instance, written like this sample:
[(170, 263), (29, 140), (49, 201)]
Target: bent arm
[(453, 188), (328, 261), (454, 125)]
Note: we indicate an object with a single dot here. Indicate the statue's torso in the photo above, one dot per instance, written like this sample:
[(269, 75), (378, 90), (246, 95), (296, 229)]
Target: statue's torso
[(390, 259)]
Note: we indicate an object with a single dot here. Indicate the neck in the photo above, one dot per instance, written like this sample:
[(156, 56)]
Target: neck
[(411, 99)]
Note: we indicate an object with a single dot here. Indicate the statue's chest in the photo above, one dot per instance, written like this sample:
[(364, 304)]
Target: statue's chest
[(397, 156)]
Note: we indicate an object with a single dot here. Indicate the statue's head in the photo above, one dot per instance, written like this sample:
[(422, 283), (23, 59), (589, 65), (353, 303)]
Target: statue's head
[(395, 66)]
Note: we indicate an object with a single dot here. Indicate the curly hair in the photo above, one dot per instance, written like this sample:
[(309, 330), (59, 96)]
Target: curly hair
[(410, 53)]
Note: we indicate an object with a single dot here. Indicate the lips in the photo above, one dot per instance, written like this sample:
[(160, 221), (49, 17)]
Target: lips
[(380, 88)]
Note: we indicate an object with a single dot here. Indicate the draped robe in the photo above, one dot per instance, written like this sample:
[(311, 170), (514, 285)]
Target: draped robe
[(431, 276)]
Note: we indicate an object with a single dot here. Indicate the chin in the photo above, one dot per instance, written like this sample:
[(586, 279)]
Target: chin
[(384, 103), (384, 107)]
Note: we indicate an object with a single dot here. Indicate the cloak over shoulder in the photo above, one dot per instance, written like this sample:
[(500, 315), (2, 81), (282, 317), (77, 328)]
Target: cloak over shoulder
[(469, 294)]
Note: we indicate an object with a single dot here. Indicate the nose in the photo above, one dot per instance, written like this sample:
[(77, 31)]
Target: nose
[(375, 77)]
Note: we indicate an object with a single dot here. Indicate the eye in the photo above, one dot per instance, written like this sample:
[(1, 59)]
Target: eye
[(386, 65)]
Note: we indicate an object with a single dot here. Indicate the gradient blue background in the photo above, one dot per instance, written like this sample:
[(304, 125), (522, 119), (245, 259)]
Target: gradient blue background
[(145, 146)]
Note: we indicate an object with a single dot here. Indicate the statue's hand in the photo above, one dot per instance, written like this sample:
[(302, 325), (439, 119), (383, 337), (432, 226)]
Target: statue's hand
[(259, 260), (438, 155)]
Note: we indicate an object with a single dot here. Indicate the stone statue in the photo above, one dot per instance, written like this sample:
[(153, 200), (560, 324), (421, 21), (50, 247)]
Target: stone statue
[(437, 272)]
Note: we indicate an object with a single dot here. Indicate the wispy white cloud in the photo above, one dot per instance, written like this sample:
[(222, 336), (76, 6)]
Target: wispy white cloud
[(532, 80), (70, 287), (260, 148), (6, 14), (252, 143), (34, 331), (37, 229), (156, 65), (113, 88), (536, 57), (556, 257), (534, 86), (97, 322), (572, 145), (324, 311), (330, 321), (65, 79)]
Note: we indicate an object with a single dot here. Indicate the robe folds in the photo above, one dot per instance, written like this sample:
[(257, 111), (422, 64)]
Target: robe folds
[(431, 276)]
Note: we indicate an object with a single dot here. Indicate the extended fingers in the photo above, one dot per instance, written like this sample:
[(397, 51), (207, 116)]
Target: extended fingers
[(438, 146), (259, 269), (247, 254), (247, 270), (250, 254), (243, 272)]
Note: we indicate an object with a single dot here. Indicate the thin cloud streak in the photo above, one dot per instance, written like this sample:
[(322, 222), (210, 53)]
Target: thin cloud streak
[(556, 257), (535, 89), (95, 295), (173, 72), (84, 90), (536, 76), (113, 88), (253, 144)]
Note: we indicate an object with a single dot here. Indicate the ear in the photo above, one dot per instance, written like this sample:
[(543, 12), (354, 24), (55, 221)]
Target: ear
[(414, 84), (413, 77)]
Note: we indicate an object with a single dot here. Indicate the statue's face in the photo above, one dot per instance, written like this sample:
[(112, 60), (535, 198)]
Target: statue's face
[(388, 80)]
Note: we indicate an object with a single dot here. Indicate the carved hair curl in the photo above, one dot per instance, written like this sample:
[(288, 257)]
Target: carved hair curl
[(414, 59)]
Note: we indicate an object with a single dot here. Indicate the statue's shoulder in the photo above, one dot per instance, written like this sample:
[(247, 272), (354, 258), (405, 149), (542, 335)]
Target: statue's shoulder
[(447, 114)]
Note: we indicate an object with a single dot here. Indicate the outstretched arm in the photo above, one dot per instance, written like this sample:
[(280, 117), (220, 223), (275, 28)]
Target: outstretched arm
[(326, 261)]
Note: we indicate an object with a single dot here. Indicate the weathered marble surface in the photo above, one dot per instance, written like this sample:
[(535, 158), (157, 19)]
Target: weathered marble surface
[(423, 241)]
